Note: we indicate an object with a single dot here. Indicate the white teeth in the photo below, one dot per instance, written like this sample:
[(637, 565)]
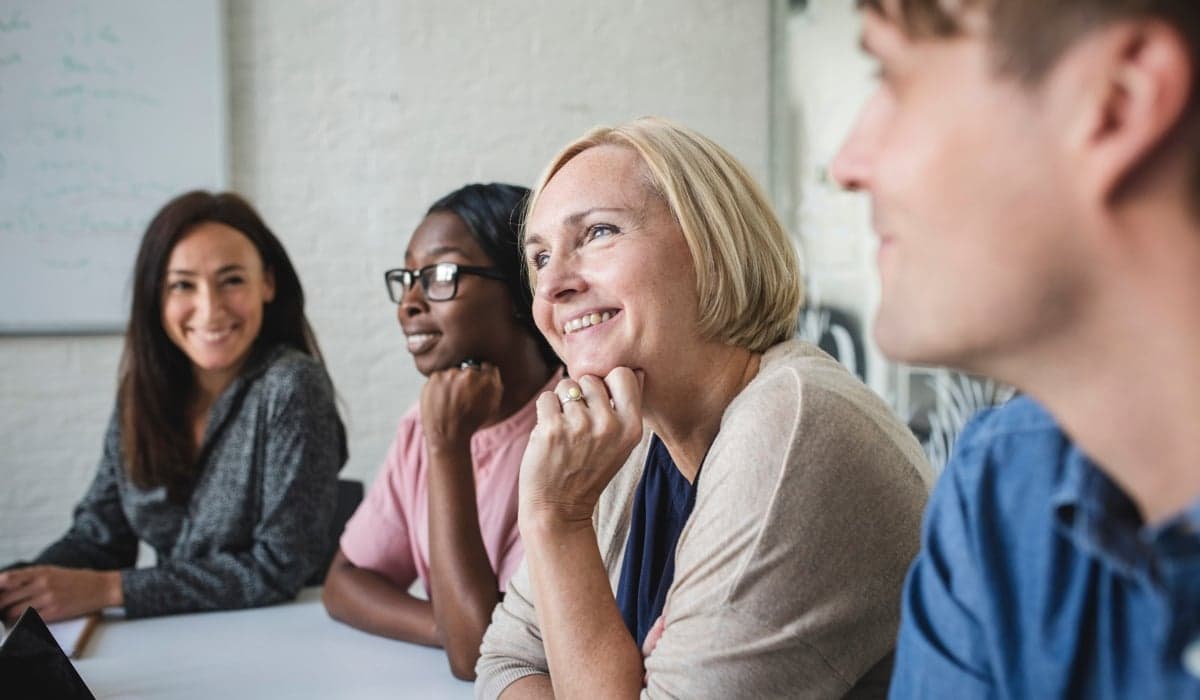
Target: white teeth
[(586, 321), (214, 336), (417, 342)]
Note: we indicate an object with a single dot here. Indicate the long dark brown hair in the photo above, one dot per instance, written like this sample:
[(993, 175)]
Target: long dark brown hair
[(156, 378)]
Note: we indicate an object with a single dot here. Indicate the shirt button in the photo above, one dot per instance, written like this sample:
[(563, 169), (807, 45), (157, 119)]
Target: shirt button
[(1191, 658)]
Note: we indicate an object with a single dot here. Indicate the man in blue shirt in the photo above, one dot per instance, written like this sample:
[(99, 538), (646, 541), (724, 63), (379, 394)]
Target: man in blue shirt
[(1034, 172)]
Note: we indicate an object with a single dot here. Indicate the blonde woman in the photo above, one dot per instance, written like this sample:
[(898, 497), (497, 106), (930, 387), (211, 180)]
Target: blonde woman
[(709, 508)]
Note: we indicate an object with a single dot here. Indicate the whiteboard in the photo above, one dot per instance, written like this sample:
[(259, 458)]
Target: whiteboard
[(108, 108)]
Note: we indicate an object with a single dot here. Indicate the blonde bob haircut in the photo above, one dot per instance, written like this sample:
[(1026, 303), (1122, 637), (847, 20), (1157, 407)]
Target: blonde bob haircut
[(747, 272)]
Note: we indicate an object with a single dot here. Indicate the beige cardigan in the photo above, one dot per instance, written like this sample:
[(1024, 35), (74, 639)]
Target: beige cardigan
[(788, 572)]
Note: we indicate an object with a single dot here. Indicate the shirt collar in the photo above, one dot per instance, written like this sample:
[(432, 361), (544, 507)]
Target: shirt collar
[(1190, 518), (1091, 510), (257, 364), (1094, 513)]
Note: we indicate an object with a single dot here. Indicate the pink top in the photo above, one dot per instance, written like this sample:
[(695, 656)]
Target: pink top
[(389, 533)]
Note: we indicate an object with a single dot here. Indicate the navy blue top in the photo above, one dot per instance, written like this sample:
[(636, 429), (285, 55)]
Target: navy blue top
[(661, 506), (1037, 577)]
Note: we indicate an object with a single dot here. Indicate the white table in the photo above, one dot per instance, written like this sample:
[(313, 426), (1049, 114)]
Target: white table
[(292, 650)]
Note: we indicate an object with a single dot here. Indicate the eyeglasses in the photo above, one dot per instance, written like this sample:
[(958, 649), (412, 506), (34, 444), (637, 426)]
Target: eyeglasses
[(439, 282)]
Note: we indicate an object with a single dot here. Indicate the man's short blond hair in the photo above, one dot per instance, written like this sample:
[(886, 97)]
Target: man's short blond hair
[(747, 271), (1028, 37)]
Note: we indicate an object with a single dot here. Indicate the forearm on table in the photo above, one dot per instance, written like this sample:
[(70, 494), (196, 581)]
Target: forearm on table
[(462, 585), (367, 600), (106, 591), (588, 648), (113, 593)]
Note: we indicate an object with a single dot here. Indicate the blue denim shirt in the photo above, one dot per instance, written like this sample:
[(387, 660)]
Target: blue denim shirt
[(1038, 579)]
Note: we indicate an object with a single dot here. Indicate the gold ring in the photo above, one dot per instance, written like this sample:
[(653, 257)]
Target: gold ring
[(573, 394)]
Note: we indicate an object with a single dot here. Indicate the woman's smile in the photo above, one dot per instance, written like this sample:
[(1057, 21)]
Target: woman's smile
[(419, 343), (588, 319)]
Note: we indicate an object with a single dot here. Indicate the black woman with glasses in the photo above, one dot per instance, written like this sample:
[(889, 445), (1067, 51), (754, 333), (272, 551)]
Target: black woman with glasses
[(443, 509)]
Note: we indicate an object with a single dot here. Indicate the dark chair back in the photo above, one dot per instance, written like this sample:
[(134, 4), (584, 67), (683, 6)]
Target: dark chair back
[(349, 495)]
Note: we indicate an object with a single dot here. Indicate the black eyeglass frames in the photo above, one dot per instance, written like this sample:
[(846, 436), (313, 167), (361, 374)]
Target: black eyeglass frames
[(439, 282)]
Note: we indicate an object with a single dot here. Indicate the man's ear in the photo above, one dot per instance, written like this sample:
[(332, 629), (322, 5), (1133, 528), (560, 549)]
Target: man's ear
[(1136, 85)]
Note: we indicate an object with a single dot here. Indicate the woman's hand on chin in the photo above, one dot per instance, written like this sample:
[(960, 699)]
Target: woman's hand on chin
[(585, 432), (458, 401)]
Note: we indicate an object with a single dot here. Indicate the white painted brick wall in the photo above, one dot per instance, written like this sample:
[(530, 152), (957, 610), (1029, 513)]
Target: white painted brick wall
[(348, 119)]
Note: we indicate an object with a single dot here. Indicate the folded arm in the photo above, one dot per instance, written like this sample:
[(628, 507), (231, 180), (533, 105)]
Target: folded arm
[(368, 600)]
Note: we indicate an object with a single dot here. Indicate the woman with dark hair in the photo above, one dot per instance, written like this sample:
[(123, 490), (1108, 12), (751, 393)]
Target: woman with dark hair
[(444, 506), (223, 451)]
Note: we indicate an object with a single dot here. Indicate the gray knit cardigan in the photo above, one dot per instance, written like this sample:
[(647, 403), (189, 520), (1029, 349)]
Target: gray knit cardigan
[(257, 522)]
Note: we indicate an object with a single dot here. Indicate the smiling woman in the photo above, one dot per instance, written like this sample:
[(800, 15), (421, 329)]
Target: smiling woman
[(444, 507), (223, 451), (216, 289), (709, 509)]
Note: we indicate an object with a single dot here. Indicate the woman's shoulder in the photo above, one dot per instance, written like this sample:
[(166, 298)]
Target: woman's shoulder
[(805, 402), (796, 376), (408, 429), (810, 364)]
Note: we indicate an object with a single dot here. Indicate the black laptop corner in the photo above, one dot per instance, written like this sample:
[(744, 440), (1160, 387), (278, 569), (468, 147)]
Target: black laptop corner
[(33, 666)]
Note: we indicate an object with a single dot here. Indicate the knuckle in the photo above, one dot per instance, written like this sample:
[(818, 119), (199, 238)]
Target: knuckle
[(579, 425), (582, 433), (605, 424)]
